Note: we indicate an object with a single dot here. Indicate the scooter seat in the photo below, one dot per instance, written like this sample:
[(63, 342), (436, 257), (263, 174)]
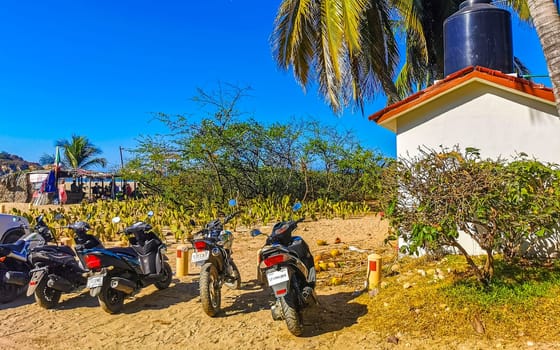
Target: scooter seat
[(123, 250), (5, 249), (55, 248)]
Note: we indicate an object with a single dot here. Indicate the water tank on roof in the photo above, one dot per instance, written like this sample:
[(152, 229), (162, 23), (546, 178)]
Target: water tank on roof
[(479, 34)]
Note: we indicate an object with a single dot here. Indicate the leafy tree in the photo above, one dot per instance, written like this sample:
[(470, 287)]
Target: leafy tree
[(46, 159), (431, 197), (213, 158), (529, 203)]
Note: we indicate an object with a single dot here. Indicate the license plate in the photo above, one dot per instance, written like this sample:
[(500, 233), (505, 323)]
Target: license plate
[(200, 256), (277, 276), (95, 281), (35, 279)]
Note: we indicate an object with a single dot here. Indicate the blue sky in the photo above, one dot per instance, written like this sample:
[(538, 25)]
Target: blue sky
[(101, 68)]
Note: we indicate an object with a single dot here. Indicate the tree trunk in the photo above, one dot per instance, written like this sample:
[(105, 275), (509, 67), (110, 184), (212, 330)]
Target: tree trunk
[(547, 23), (470, 261), (488, 271)]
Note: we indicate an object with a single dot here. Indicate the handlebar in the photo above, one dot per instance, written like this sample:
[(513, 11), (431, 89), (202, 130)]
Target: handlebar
[(231, 216)]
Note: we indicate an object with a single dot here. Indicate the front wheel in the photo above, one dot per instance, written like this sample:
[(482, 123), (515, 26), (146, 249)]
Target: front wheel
[(291, 315), (45, 296), (210, 289), (167, 275), (111, 300)]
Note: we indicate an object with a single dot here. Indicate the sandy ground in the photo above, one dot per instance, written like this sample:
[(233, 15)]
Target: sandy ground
[(174, 319)]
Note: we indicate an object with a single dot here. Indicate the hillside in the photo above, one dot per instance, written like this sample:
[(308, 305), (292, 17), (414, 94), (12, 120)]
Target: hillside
[(10, 163)]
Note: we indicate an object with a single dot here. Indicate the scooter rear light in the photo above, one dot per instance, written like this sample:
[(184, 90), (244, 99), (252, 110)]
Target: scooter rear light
[(275, 260), (2, 259), (200, 246), (92, 261)]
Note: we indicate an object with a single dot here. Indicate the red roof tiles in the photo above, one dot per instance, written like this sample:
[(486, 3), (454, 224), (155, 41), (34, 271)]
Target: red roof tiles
[(460, 77)]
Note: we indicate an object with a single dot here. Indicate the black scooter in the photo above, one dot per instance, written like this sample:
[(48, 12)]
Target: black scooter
[(288, 265), (60, 269), (212, 252), (14, 263), (122, 272)]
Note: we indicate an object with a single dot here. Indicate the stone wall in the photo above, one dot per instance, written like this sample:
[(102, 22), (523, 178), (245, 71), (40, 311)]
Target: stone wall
[(15, 187)]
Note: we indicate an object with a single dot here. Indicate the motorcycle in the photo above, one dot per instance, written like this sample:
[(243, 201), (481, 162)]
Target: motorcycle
[(288, 265), (14, 263), (212, 252), (60, 269), (117, 273)]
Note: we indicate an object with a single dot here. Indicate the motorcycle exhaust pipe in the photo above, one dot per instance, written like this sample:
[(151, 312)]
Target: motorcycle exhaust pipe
[(16, 277), (60, 284), (123, 285)]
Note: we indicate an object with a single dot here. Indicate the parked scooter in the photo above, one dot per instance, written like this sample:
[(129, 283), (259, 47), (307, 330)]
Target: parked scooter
[(288, 265), (14, 265), (117, 273), (60, 269), (212, 251)]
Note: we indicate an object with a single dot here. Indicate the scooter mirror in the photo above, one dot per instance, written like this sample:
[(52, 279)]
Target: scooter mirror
[(255, 232), (150, 214), (232, 202), (297, 206), (116, 220)]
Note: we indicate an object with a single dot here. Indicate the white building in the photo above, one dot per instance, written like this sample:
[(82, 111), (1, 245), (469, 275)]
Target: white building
[(499, 114), (478, 107)]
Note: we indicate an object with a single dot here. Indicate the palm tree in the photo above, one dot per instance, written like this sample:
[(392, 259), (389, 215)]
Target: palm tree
[(350, 46), (421, 24), (80, 153), (544, 15), (346, 45)]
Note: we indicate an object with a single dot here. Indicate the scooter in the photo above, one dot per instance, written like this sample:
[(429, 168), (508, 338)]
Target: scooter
[(14, 265), (288, 265), (117, 273), (212, 251), (60, 269)]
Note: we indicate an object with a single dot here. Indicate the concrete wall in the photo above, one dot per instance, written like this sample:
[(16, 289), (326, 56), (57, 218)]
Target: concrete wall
[(15, 187)]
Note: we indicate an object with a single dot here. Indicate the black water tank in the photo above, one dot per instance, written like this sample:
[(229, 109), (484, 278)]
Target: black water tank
[(479, 34)]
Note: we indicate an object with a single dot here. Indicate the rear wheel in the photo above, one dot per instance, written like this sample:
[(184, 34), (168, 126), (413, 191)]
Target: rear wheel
[(167, 275), (45, 296), (291, 315), (111, 300), (210, 291)]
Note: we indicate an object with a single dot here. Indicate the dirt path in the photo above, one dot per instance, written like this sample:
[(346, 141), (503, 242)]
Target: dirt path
[(173, 318)]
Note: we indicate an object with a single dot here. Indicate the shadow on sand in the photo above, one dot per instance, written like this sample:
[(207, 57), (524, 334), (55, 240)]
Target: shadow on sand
[(158, 299), (161, 299), (253, 299), (17, 302), (333, 313)]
